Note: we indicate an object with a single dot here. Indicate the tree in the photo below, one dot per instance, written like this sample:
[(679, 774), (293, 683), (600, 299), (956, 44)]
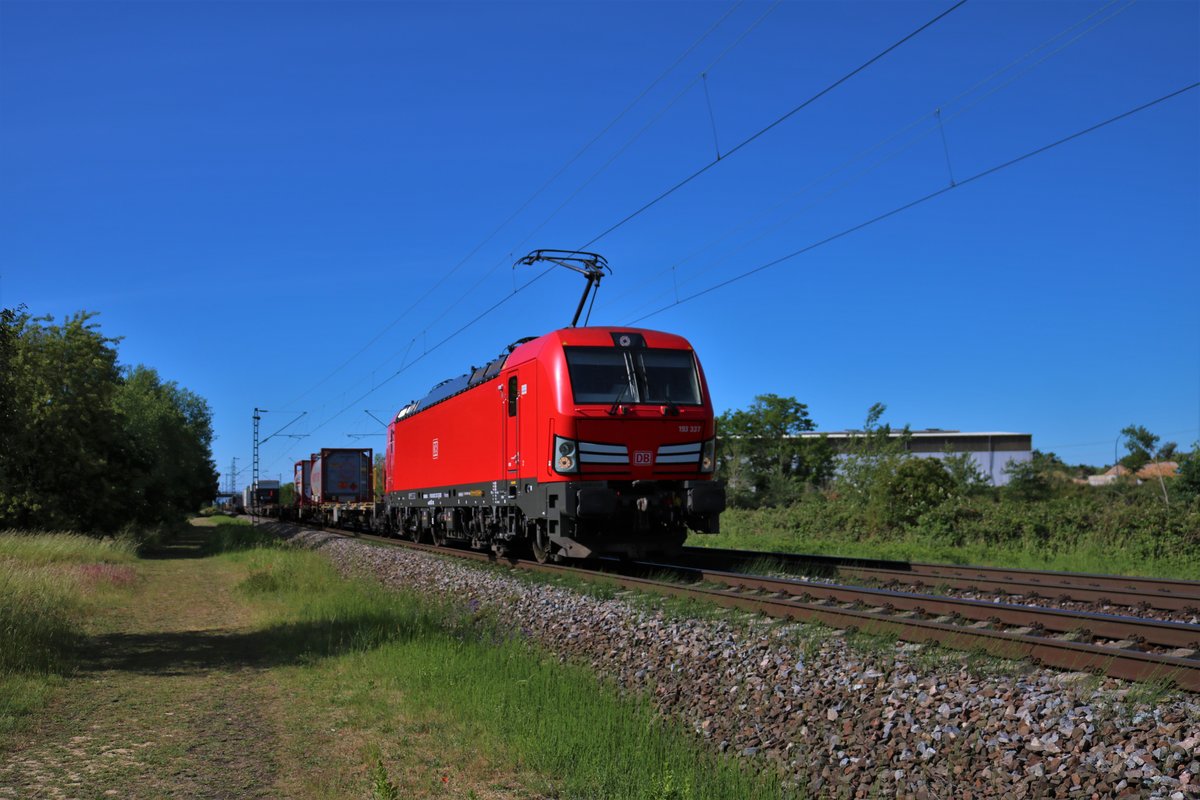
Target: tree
[(872, 456), (168, 436), (965, 473), (1026, 481), (1189, 472), (1140, 444), (10, 410), (65, 453), (379, 468), (1143, 448), (86, 445), (763, 455)]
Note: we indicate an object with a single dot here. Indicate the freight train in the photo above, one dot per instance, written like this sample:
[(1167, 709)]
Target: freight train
[(335, 487), (585, 441)]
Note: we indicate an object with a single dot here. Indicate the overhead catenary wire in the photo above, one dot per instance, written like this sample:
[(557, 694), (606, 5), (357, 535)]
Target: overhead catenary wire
[(448, 307), (741, 145), (736, 148), (774, 124), (921, 200), (474, 320), (861, 155), (528, 201)]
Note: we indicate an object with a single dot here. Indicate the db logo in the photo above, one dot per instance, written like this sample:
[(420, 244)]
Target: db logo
[(435, 449), (643, 457)]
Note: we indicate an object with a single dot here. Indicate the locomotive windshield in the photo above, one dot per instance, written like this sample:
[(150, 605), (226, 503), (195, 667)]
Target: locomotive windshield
[(609, 375)]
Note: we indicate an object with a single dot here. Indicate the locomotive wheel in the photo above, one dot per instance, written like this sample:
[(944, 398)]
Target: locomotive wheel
[(539, 543)]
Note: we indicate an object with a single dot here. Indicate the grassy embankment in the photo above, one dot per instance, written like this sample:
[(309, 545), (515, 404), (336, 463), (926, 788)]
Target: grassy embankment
[(1102, 532), (496, 708), (351, 689), (49, 585)]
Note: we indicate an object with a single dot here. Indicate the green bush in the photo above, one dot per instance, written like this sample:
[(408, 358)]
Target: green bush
[(1026, 481), (1108, 529), (917, 486)]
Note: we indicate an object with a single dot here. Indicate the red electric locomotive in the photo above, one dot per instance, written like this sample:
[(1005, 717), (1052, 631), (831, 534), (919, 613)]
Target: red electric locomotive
[(580, 442)]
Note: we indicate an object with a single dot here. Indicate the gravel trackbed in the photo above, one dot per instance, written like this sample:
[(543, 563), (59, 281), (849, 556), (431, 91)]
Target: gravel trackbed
[(842, 719)]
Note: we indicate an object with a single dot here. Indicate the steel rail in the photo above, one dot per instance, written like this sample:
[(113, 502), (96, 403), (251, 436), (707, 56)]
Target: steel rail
[(1183, 672), (1122, 590), (1108, 626)]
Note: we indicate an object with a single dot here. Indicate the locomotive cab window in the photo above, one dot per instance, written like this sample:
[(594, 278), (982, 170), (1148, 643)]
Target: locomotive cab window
[(512, 396), (610, 375)]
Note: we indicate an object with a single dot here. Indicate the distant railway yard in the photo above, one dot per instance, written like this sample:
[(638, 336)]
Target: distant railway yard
[(846, 688)]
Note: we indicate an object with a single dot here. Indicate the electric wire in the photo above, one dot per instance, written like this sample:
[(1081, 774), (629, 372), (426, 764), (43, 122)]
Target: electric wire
[(863, 154), (430, 350), (739, 146), (546, 185), (778, 121), (921, 200), (508, 258), (655, 119), (792, 255), (670, 191), (448, 307)]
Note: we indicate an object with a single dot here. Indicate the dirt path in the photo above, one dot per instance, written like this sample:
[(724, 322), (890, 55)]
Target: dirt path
[(172, 698)]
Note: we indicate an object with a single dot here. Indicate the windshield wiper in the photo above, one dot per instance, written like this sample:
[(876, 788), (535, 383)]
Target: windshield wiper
[(616, 403), (672, 409)]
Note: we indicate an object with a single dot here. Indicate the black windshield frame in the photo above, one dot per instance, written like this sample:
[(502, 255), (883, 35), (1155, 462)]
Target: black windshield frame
[(649, 376)]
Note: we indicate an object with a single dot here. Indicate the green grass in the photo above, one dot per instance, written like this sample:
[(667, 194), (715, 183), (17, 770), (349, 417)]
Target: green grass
[(236, 533), (38, 611), (379, 654), (49, 583), (789, 531), (70, 548)]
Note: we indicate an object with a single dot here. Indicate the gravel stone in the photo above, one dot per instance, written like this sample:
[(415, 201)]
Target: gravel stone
[(838, 719)]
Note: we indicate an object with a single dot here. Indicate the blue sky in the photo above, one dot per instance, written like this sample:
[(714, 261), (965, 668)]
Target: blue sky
[(250, 193)]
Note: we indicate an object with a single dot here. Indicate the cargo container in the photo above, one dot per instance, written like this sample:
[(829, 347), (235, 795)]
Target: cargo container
[(301, 477), (267, 494), (341, 475)]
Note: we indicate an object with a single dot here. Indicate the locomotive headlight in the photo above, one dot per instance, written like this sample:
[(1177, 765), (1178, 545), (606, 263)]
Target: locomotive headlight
[(566, 455), (708, 456)]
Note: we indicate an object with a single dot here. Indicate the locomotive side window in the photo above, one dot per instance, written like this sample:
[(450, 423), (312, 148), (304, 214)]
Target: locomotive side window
[(608, 375), (512, 396)]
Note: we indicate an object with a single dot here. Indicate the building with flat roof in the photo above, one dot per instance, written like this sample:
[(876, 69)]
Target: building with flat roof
[(991, 451)]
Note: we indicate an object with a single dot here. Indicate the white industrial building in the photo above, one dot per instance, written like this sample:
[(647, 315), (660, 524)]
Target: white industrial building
[(992, 451)]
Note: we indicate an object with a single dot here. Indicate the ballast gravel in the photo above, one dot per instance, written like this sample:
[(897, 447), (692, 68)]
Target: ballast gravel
[(839, 719)]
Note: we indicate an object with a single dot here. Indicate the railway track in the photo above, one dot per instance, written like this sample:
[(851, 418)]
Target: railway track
[(1119, 646), (1114, 590)]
